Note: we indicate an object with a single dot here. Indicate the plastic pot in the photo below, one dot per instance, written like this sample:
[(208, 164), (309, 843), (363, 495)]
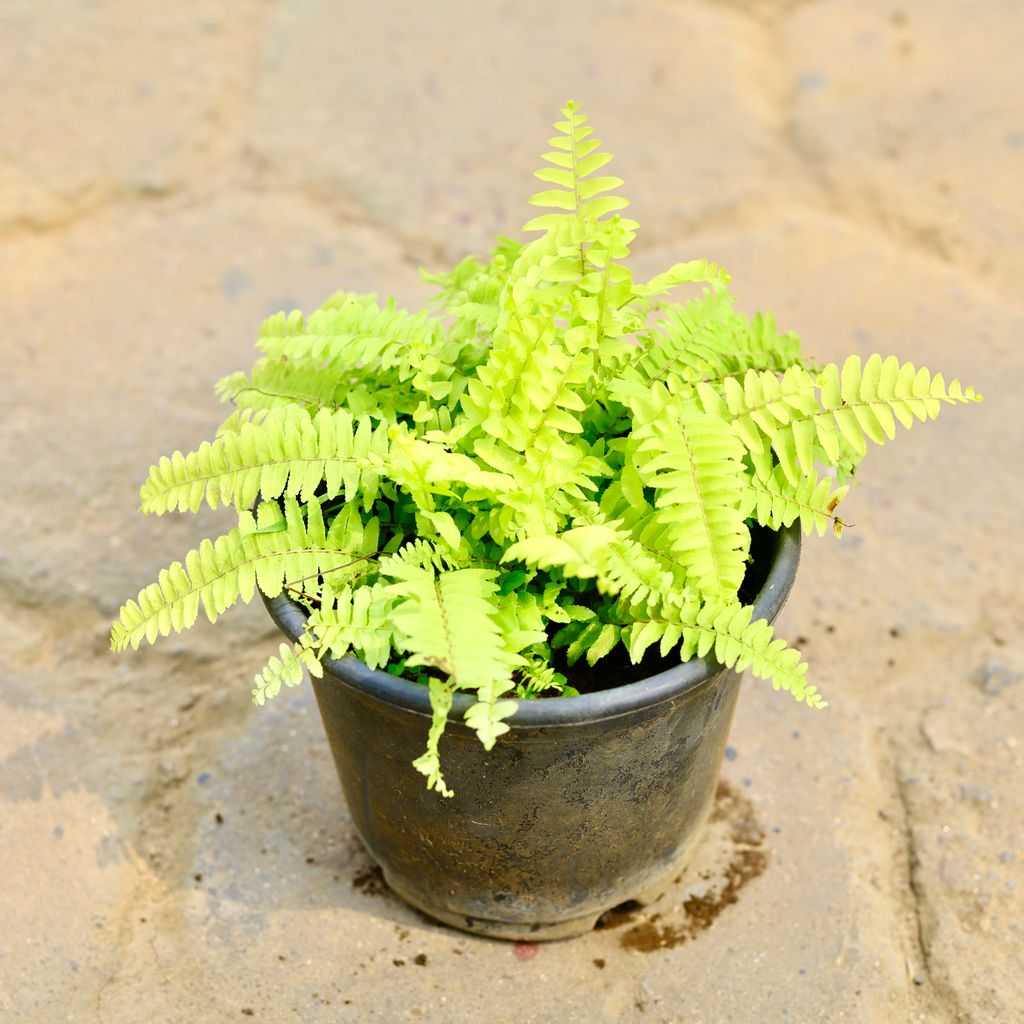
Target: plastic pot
[(585, 803)]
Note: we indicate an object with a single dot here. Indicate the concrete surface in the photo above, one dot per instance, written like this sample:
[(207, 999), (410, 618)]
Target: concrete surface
[(170, 174)]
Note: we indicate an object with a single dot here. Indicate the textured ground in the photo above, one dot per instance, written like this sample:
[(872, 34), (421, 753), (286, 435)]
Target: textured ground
[(170, 174)]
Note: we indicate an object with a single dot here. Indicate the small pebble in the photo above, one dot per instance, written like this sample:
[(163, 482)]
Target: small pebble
[(975, 793), (994, 678)]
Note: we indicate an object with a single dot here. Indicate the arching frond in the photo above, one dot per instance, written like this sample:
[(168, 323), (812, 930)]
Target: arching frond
[(836, 411), (219, 573), (289, 453), (775, 502), (352, 332)]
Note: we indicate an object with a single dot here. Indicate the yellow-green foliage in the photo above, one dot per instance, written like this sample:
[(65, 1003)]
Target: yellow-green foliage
[(553, 456)]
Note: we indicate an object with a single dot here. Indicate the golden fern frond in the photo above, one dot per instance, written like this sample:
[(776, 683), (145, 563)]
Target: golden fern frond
[(725, 629), (707, 339), (351, 333), (285, 669), (579, 552), (836, 411), (694, 463), (574, 159), (428, 763), (279, 382), (446, 619), (288, 453), (775, 502), (219, 573), (627, 568), (355, 618)]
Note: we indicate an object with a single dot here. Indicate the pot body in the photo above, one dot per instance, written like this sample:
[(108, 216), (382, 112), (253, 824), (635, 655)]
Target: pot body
[(585, 803)]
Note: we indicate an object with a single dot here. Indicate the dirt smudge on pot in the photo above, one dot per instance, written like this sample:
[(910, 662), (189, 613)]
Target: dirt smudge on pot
[(733, 845)]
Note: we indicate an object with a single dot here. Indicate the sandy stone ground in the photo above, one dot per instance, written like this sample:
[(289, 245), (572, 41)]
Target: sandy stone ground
[(172, 173)]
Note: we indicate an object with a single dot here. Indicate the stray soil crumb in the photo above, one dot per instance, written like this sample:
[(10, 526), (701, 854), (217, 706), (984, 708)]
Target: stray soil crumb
[(420, 959), (599, 963), (370, 881), (525, 951)]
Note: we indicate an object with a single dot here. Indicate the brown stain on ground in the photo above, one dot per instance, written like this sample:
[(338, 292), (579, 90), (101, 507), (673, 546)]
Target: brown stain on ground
[(369, 880), (699, 912)]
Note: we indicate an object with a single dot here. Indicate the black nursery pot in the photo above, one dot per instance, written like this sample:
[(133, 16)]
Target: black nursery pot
[(585, 803)]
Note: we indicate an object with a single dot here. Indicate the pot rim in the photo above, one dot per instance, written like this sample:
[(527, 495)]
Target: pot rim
[(290, 618)]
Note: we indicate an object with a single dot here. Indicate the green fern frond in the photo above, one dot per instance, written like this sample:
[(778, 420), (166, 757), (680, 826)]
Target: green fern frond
[(285, 669), (431, 603), (707, 340), (446, 620), (726, 630), (574, 159), (288, 453), (471, 294), (690, 272), (355, 332), (354, 619), (692, 460), (221, 572), (836, 411), (627, 568), (273, 383), (578, 552), (537, 677), (240, 417), (429, 762), (776, 503), (645, 526)]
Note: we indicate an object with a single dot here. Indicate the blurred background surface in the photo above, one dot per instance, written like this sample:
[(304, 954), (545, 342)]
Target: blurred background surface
[(171, 174)]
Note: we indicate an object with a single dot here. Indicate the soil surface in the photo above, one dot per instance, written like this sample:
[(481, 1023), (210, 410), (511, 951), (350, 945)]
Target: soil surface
[(171, 174)]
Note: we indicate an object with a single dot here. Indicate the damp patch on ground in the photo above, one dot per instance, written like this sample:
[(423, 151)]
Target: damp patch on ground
[(730, 856)]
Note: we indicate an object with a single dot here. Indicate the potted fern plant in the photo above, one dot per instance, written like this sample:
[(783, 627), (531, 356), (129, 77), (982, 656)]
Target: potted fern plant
[(549, 520)]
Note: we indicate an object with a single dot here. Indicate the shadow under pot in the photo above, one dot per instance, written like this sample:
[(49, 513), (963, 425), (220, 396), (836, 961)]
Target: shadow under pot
[(585, 803)]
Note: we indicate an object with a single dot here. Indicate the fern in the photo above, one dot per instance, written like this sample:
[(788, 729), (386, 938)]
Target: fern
[(551, 459), (445, 619), (219, 573), (726, 630), (692, 461), (835, 412), (289, 454)]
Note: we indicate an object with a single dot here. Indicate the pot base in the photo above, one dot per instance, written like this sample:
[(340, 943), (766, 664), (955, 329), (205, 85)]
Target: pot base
[(526, 931)]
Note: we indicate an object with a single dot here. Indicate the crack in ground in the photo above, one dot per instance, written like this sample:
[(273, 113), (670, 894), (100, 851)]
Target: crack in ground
[(940, 991)]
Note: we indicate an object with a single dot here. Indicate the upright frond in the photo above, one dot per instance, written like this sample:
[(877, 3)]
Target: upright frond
[(574, 158)]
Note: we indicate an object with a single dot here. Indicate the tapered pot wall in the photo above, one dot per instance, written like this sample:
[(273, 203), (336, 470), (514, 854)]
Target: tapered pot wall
[(585, 803)]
